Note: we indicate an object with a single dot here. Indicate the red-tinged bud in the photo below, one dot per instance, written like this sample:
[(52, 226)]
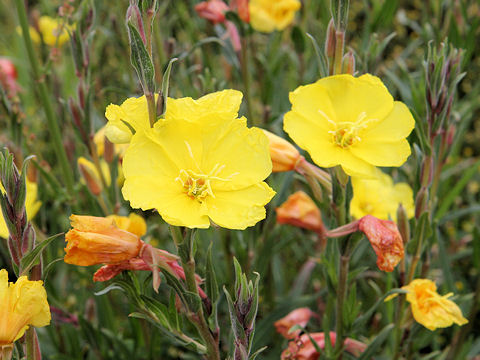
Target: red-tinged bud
[(451, 134), (348, 66), (330, 41), (108, 150), (234, 36), (241, 6), (284, 155), (403, 224), (90, 175), (303, 348), (421, 202), (299, 316), (300, 210), (213, 10), (427, 171), (385, 240), (8, 68)]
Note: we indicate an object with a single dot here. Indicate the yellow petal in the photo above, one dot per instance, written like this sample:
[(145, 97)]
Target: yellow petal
[(223, 104), (382, 153), (352, 97), (239, 209), (242, 153), (395, 126)]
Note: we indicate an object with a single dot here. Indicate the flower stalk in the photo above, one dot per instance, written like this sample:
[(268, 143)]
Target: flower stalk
[(43, 92)]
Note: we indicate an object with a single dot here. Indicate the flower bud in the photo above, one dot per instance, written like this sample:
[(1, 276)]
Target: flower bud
[(91, 176), (213, 10), (96, 240), (403, 224), (348, 63), (300, 210), (8, 77), (385, 240), (330, 41), (241, 6), (284, 155), (299, 316), (421, 202)]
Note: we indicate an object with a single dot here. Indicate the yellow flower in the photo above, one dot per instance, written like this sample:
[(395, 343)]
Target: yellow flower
[(23, 304), (32, 205), (127, 119), (352, 122), (431, 309), (268, 15), (200, 163), (54, 31), (380, 197)]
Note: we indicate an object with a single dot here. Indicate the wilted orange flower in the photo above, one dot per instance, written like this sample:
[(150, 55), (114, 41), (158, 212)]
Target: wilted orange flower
[(241, 6), (97, 240), (284, 155), (385, 240), (299, 316), (431, 309), (212, 10), (303, 348), (23, 304), (8, 77), (300, 210)]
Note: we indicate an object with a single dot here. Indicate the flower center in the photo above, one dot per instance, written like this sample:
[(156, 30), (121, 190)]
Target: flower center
[(346, 133), (198, 186)]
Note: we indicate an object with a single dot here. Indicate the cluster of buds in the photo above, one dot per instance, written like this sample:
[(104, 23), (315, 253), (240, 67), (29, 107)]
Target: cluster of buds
[(335, 41), (21, 239), (243, 312)]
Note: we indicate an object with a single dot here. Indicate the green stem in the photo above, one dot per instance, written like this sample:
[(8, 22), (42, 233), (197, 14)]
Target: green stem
[(152, 108), (339, 46), (341, 293), (198, 318), (45, 99), (246, 79), (31, 340)]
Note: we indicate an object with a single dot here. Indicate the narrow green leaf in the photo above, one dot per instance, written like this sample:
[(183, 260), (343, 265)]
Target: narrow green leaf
[(141, 60), (166, 82), (31, 258)]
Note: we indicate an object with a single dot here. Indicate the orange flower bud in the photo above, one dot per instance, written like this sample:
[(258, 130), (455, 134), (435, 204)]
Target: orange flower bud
[(385, 240), (304, 349), (284, 155), (97, 240), (300, 210), (213, 10), (91, 176), (299, 316)]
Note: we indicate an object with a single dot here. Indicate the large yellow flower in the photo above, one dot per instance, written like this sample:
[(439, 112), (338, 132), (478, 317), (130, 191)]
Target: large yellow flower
[(200, 163), (431, 309), (380, 197), (32, 205), (125, 120), (22, 304), (268, 15), (54, 32), (352, 122)]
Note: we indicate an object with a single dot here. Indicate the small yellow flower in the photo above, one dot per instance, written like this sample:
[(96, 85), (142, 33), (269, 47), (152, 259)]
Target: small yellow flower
[(32, 205), (99, 141), (23, 304), (133, 223), (431, 309), (200, 163), (352, 122), (54, 32), (127, 119), (380, 197), (268, 15)]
